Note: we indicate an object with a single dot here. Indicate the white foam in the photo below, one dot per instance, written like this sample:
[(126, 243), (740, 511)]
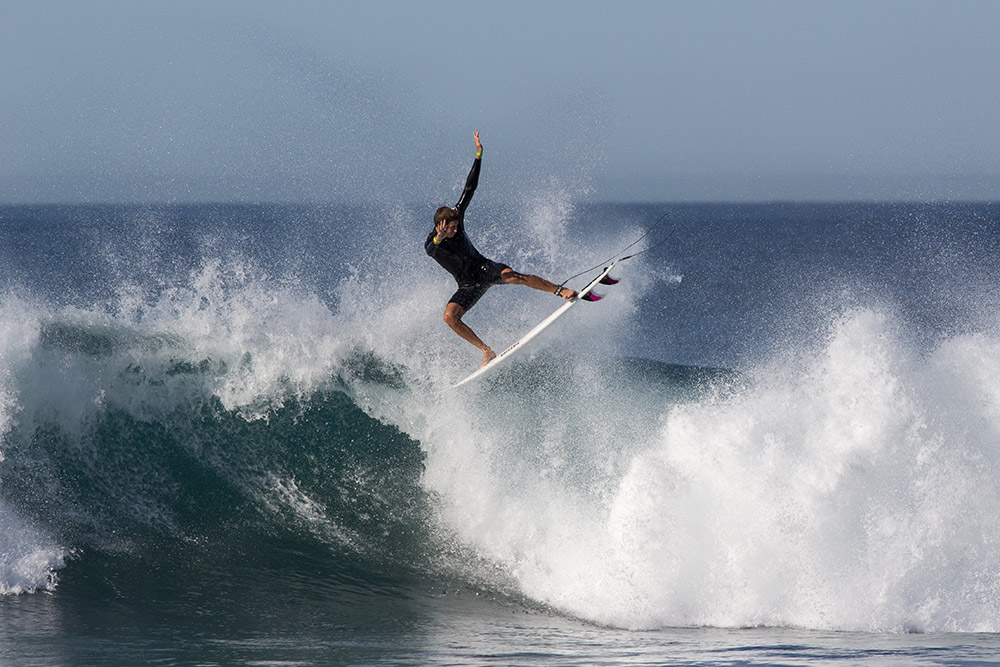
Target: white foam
[(847, 487), (28, 557), (230, 333)]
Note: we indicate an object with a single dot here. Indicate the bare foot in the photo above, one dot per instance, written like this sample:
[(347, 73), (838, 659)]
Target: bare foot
[(567, 293), (488, 356)]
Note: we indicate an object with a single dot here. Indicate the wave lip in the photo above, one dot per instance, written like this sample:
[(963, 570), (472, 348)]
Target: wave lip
[(188, 421)]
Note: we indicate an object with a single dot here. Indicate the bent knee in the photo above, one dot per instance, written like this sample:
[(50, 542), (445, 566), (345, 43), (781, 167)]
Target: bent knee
[(453, 314)]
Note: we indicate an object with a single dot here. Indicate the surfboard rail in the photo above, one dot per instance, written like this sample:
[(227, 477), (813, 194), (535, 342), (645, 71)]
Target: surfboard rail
[(541, 326)]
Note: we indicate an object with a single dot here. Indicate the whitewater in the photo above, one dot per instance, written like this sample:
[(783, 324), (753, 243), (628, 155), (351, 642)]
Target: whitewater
[(782, 428)]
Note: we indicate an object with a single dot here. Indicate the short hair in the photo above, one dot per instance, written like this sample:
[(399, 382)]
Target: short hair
[(446, 214)]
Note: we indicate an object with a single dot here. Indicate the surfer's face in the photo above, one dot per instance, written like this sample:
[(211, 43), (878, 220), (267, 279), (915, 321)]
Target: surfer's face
[(449, 229)]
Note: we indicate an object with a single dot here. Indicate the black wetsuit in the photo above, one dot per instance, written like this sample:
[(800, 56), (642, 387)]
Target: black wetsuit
[(474, 273)]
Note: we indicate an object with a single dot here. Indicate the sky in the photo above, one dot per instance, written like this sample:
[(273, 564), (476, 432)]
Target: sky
[(636, 101)]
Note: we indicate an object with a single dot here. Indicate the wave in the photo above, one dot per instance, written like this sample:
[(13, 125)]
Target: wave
[(845, 482), (850, 486), (215, 412), (181, 421)]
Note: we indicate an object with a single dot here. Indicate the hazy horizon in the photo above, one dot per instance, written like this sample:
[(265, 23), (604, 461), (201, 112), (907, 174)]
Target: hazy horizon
[(632, 102)]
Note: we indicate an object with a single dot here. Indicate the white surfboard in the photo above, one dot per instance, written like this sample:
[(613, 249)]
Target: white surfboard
[(541, 326)]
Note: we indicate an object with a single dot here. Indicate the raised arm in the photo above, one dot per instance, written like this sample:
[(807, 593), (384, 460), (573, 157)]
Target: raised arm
[(473, 180)]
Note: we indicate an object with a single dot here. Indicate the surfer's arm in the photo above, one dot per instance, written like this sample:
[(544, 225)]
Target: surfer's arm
[(431, 246), (473, 179)]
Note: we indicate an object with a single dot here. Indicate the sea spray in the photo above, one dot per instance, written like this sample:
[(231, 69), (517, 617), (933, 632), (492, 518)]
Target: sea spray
[(209, 414), (841, 488), (29, 557), (237, 402)]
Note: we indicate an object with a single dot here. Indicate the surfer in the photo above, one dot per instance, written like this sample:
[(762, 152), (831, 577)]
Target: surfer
[(450, 247)]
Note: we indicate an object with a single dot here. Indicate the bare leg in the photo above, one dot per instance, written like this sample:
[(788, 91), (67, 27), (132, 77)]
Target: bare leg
[(453, 317), (512, 277)]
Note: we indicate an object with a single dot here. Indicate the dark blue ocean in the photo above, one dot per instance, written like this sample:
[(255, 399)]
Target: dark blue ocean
[(227, 438)]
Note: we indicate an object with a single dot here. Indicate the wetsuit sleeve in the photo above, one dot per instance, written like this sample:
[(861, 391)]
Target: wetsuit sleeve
[(470, 186), (446, 253), (430, 247)]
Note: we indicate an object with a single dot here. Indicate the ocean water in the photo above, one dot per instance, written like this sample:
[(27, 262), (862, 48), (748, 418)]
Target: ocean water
[(227, 438)]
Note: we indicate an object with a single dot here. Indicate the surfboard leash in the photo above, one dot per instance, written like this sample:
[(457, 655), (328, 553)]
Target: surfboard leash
[(617, 256), (652, 247)]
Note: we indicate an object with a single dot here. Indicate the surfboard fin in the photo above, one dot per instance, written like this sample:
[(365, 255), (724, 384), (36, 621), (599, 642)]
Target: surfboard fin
[(591, 296), (608, 280)]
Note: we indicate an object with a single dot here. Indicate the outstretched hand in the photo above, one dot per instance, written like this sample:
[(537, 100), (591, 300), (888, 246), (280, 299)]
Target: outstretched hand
[(446, 229), (479, 146)]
